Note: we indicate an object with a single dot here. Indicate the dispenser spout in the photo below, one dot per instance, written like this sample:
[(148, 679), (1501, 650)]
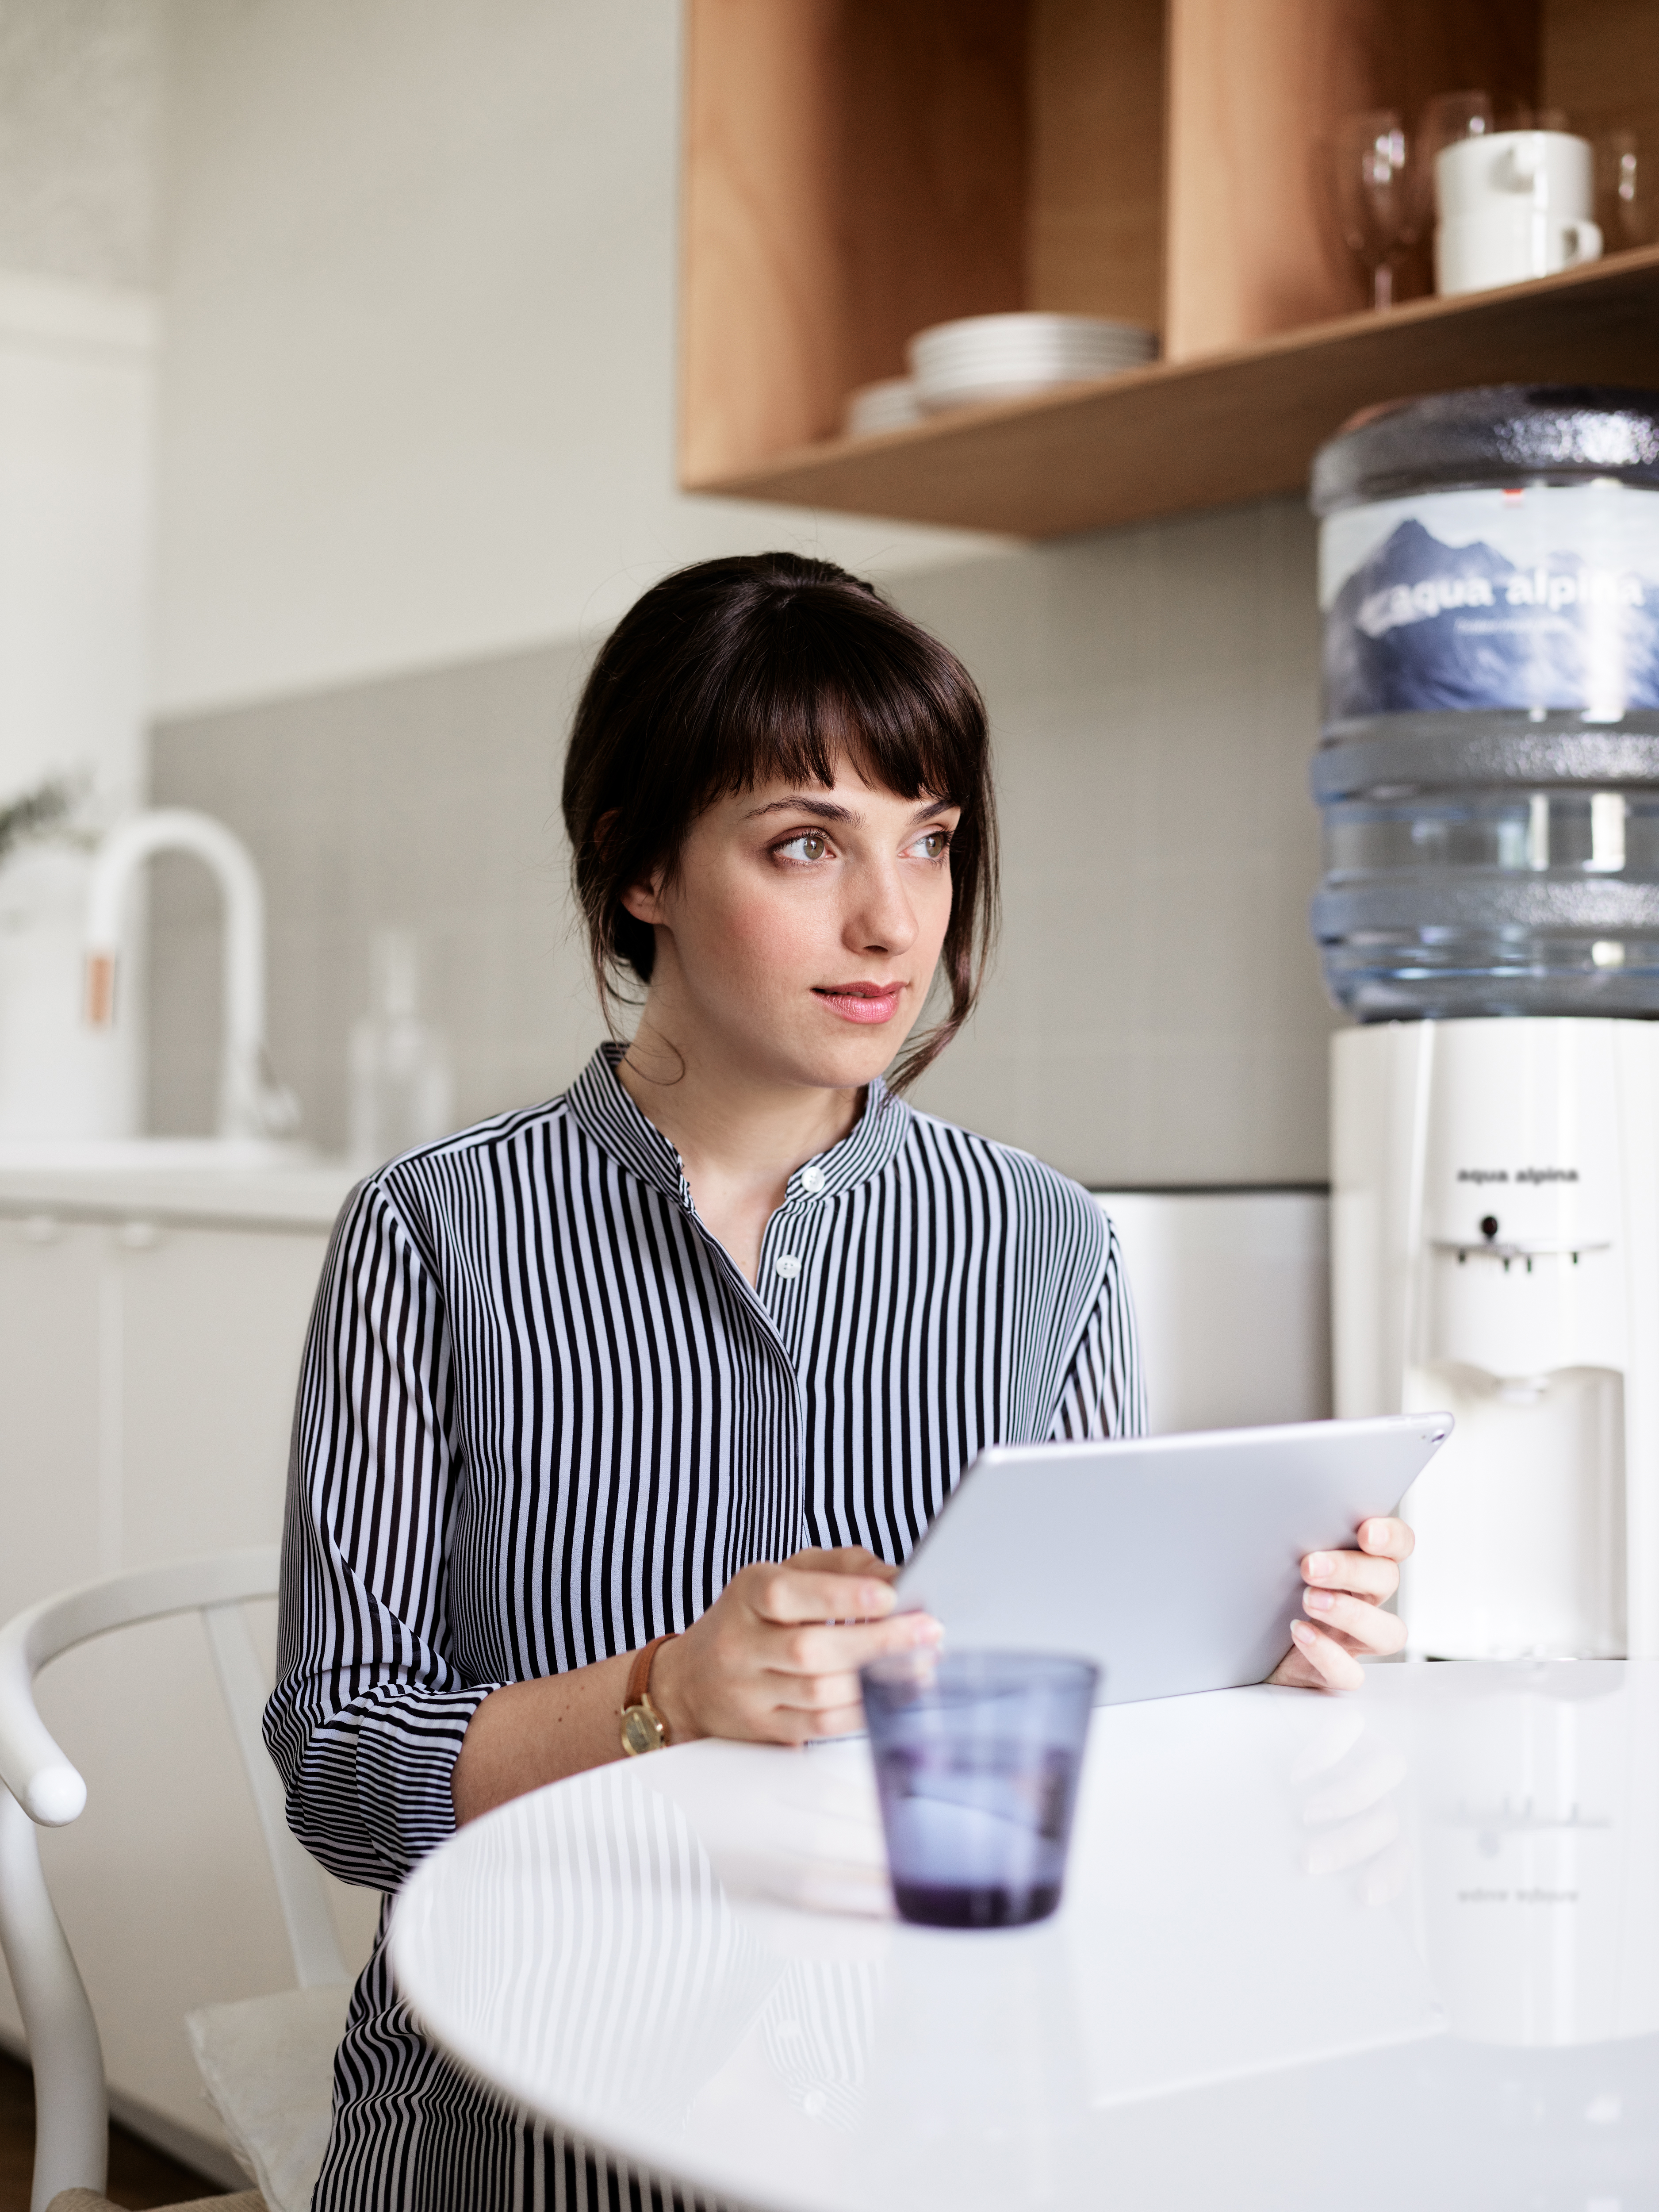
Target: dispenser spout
[(249, 1105)]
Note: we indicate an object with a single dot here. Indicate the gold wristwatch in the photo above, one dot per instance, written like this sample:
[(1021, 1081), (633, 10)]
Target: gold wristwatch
[(644, 1728)]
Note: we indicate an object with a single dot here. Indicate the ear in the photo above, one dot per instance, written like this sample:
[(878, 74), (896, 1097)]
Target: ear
[(644, 901)]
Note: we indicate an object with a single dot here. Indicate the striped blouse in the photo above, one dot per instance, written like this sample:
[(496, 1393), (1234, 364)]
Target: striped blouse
[(543, 1417)]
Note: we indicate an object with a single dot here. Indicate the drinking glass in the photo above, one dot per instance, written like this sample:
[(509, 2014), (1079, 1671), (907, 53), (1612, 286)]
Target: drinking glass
[(977, 1757), (1379, 201), (1447, 118), (1450, 116), (1623, 189)]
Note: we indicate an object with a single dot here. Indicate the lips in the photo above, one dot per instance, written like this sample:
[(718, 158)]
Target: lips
[(862, 1002)]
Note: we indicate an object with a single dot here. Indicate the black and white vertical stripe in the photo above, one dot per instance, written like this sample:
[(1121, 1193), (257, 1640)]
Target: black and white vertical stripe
[(543, 1418)]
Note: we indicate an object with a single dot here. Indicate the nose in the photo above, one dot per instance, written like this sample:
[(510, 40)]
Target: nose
[(880, 918)]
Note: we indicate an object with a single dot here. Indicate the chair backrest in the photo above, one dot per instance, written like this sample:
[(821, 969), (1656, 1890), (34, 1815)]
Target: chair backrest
[(43, 1788)]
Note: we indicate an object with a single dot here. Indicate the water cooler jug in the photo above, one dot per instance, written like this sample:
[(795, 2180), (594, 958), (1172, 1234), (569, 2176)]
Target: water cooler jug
[(1489, 782)]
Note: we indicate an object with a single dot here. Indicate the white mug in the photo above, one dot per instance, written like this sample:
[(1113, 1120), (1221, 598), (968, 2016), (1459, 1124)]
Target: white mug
[(1513, 204), (1541, 169), (1507, 245)]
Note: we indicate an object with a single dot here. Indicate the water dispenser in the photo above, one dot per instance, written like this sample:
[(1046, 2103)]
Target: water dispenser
[(1488, 776)]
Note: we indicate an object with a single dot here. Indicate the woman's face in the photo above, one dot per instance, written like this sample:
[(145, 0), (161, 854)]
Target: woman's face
[(800, 934)]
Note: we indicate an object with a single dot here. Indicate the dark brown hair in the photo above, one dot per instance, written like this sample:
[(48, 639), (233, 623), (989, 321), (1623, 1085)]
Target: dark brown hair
[(738, 672)]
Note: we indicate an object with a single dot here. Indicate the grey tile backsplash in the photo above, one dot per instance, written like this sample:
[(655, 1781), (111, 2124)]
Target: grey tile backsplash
[(1155, 1015)]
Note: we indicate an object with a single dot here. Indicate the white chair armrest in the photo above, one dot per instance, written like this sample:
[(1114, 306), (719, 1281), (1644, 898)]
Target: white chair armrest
[(32, 1766)]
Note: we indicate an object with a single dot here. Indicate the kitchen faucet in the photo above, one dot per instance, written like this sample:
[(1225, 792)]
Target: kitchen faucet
[(249, 1104)]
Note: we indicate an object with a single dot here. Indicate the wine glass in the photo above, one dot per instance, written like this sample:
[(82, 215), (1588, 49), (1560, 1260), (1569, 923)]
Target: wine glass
[(1624, 182), (1378, 202), (1447, 118)]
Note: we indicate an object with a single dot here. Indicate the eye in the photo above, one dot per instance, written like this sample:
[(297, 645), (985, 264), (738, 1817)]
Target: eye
[(933, 844), (805, 845)]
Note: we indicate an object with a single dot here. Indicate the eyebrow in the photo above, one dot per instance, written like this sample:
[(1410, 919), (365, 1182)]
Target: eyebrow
[(827, 810)]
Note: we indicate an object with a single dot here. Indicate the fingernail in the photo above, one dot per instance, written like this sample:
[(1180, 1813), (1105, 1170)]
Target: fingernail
[(1320, 1563), (927, 1631), (1319, 1600), (1302, 1631)]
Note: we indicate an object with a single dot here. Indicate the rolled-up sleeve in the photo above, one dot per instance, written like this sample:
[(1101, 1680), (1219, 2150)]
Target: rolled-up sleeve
[(1105, 1392), (370, 1707)]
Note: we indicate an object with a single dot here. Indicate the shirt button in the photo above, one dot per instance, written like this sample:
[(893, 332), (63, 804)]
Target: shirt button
[(813, 1179), (787, 1266)]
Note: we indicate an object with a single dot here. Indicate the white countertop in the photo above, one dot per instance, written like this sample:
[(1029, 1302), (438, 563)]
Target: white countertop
[(1399, 1950), (187, 1179)]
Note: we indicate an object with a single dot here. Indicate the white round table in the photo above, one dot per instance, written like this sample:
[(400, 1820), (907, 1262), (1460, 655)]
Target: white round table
[(1399, 1950)]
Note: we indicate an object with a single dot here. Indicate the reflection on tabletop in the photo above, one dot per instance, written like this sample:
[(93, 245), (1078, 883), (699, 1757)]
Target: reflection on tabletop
[(1290, 1923)]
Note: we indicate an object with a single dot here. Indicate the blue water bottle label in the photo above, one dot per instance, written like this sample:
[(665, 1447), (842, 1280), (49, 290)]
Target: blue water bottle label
[(1543, 598)]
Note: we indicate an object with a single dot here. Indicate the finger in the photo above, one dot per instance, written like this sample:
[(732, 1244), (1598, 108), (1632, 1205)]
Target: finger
[(843, 1647), (1327, 1747), (1352, 1571), (1337, 1669), (790, 1593), (1368, 1625), (1356, 1785), (811, 1695), (1335, 1850), (1387, 1538), (791, 1724), (844, 1560), (854, 1560), (1385, 1877)]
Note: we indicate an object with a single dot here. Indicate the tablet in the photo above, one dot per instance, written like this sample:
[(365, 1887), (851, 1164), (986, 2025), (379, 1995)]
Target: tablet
[(1173, 1562)]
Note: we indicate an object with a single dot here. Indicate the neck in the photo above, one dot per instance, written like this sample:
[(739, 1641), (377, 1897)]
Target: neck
[(739, 1136), (728, 1121)]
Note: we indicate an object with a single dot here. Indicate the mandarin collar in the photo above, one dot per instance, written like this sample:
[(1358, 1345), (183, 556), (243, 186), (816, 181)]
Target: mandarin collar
[(605, 1110)]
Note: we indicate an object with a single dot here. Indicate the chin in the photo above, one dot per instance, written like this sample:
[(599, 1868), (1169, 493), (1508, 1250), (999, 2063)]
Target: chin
[(852, 1062)]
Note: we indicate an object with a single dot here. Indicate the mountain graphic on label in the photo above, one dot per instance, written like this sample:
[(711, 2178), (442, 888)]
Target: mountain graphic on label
[(1422, 627)]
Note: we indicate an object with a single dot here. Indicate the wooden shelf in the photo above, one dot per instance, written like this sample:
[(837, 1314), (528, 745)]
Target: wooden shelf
[(855, 170), (1230, 426)]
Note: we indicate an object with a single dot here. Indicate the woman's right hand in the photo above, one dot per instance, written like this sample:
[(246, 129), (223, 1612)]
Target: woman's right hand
[(776, 1657)]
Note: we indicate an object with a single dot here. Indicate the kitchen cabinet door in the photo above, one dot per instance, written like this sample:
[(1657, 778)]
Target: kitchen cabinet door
[(148, 1371)]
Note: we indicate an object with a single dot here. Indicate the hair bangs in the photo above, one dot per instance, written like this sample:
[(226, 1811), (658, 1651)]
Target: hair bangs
[(810, 696)]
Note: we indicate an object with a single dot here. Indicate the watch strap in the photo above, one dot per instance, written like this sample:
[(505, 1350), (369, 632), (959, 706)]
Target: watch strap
[(636, 1698), (639, 1673)]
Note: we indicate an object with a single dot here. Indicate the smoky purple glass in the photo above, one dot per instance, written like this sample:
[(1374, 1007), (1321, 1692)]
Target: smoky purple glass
[(978, 1755)]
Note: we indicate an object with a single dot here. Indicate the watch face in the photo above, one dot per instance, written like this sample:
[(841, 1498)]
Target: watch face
[(639, 1732)]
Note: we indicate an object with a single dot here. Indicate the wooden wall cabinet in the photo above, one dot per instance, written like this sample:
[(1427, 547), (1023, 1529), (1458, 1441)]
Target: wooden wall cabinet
[(857, 169)]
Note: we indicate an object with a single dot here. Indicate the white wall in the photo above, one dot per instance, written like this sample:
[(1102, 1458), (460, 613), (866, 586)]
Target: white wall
[(76, 373), (78, 107), (419, 276)]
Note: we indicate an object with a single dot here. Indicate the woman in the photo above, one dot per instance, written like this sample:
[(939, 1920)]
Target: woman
[(700, 1347)]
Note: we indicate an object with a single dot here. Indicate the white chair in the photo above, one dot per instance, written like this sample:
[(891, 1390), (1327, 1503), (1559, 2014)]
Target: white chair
[(267, 2062)]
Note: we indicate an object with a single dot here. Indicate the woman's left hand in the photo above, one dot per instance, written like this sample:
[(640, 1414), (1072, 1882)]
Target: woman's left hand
[(1343, 1599)]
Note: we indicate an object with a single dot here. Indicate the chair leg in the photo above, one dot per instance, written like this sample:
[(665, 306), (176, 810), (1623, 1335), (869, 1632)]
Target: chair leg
[(71, 2124)]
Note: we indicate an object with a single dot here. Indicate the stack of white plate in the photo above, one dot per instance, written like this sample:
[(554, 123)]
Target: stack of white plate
[(985, 357), (892, 404)]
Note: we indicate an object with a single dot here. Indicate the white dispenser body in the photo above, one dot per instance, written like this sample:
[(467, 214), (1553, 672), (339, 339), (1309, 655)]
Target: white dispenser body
[(1495, 1251)]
